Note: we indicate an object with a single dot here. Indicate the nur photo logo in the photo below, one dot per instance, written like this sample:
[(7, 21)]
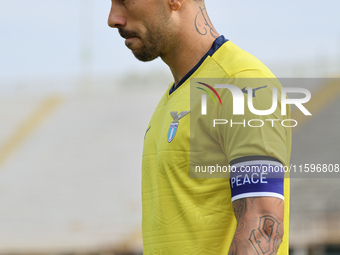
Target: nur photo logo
[(246, 96)]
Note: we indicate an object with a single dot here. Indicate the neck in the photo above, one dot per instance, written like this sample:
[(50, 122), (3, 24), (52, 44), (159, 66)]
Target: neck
[(192, 43)]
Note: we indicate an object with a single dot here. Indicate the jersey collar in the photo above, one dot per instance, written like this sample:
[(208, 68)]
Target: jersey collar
[(215, 46)]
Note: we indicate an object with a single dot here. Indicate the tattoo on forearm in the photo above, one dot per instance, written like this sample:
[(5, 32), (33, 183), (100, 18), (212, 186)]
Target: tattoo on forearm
[(266, 238), (203, 24), (240, 211), (259, 227)]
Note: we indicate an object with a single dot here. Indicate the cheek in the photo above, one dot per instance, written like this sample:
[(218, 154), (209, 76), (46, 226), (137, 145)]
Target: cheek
[(150, 19)]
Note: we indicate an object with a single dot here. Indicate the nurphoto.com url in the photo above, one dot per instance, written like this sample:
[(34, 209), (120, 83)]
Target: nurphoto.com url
[(292, 168)]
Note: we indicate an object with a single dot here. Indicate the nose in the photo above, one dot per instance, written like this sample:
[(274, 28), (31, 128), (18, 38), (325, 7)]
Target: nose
[(116, 17)]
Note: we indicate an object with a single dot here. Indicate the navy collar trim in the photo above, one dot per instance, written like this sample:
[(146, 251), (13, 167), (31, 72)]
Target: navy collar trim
[(216, 45)]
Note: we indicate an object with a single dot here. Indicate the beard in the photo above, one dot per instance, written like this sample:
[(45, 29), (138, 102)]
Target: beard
[(153, 46), (154, 42)]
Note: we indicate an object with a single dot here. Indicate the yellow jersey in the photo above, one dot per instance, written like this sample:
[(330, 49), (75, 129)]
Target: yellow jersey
[(188, 213)]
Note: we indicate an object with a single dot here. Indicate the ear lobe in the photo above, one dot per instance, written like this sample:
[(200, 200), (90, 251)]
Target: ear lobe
[(175, 5)]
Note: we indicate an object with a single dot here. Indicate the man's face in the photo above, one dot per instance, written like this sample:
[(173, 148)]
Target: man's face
[(144, 24)]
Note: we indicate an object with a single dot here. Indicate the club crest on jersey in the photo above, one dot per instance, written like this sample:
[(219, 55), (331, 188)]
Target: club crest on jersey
[(174, 124)]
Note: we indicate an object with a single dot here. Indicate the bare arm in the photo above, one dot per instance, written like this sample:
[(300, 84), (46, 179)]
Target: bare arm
[(259, 226)]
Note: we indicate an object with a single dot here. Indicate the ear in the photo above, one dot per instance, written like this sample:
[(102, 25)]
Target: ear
[(175, 5)]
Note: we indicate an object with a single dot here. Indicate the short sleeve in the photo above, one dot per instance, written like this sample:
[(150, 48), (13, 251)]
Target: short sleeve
[(255, 140)]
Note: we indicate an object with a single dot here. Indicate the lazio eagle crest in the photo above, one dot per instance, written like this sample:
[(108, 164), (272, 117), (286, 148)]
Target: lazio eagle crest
[(174, 124)]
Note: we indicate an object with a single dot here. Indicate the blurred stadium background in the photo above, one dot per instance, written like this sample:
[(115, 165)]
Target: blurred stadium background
[(72, 131)]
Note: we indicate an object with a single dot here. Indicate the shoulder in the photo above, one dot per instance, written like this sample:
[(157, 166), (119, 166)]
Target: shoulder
[(238, 63)]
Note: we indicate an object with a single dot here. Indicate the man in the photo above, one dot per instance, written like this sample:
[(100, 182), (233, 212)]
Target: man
[(182, 215)]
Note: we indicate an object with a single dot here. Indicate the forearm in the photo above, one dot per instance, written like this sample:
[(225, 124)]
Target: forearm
[(259, 226)]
